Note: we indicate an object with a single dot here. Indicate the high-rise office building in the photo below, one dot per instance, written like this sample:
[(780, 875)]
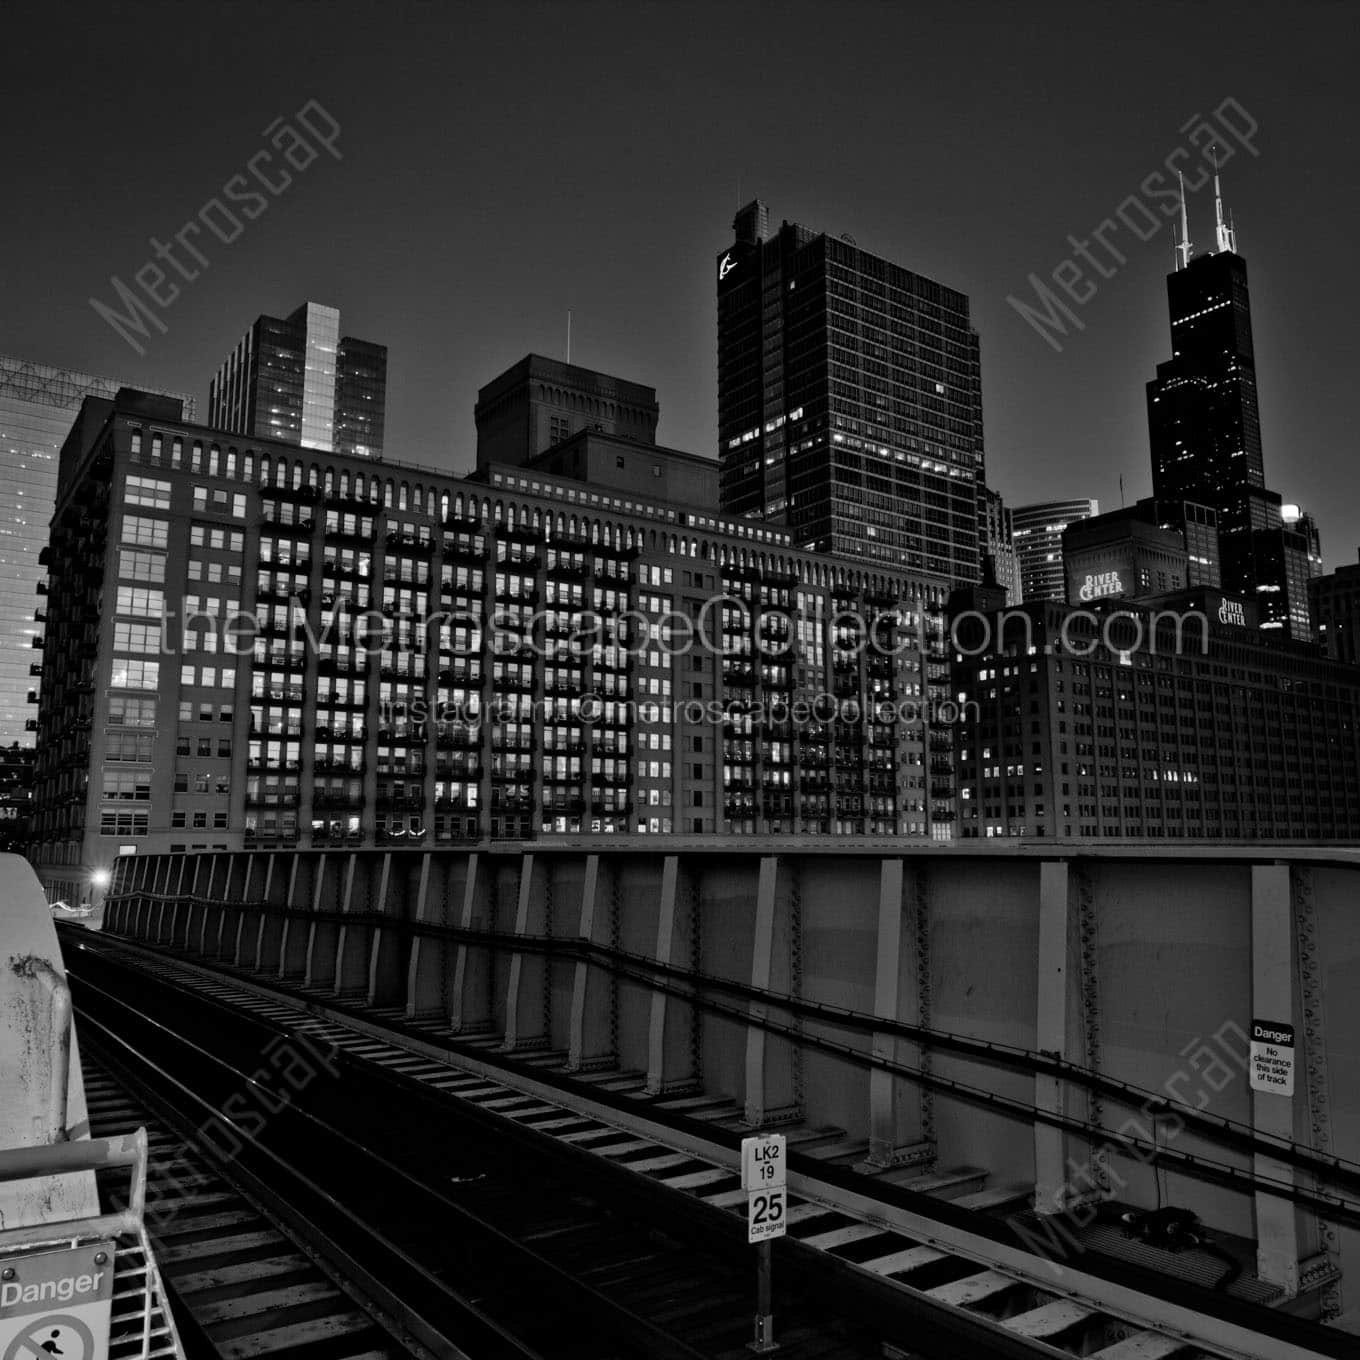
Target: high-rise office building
[(298, 380), (1335, 601), (556, 657), (38, 404), (849, 400), (1038, 536), (998, 546), (1204, 427), (536, 404)]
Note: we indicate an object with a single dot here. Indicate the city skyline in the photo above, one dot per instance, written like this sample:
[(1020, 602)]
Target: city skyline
[(633, 265)]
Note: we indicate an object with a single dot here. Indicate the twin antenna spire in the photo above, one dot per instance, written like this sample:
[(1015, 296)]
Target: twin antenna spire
[(1225, 235)]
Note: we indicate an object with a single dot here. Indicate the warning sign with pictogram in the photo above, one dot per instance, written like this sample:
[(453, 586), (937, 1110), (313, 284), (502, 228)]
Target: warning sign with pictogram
[(55, 1305)]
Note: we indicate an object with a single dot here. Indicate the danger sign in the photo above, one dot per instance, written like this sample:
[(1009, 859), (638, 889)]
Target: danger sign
[(1272, 1057), (55, 1305)]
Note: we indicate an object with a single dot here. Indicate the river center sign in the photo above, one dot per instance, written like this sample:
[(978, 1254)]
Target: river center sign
[(1100, 585)]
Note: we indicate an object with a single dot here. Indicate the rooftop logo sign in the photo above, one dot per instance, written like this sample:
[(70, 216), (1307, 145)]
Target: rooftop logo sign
[(1099, 585)]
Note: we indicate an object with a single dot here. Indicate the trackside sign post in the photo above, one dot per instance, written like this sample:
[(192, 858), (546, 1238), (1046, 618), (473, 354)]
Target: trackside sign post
[(764, 1175), (1272, 1057), (55, 1305)]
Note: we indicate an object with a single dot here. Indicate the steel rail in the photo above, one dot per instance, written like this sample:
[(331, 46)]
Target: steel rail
[(1231, 1133), (882, 1299), (658, 1342)]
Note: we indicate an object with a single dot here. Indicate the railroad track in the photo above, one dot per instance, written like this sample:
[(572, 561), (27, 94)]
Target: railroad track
[(239, 1284), (944, 1300), (489, 1251)]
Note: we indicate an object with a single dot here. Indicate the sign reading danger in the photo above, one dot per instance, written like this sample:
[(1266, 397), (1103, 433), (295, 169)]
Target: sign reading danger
[(55, 1305), (1272, 1057)]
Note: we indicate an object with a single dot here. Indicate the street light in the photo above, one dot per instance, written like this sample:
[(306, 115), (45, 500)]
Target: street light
[(100, 879)]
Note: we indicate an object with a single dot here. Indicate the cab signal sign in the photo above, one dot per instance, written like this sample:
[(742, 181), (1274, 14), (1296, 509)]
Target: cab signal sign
[(764, 1175)]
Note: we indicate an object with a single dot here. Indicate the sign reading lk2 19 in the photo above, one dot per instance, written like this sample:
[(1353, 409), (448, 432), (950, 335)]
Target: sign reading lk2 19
[(764, 1172)]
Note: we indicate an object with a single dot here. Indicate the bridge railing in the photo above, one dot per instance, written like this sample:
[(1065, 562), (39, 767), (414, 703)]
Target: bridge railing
[(934, 1004)]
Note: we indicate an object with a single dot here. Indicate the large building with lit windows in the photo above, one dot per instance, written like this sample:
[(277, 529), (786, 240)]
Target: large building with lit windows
[(296, 379), (1166, 719), (849, 400), (250, 644), (38, 402), (1037, 532)]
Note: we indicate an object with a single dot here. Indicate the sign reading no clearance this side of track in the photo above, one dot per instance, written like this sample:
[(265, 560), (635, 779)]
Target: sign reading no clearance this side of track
[(1272, 1057), (55, 1305), (764, 1174)]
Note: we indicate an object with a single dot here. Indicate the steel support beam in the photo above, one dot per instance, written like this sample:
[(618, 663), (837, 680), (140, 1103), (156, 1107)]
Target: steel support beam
[(762, 959), (1050, 1174), (1272, 998)]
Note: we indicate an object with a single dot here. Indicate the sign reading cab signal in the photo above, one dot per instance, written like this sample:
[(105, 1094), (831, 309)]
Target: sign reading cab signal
[(765, 1214), (764, 1173)]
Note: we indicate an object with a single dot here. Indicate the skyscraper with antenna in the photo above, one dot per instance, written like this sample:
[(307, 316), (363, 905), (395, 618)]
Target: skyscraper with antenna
[(1205, 430)]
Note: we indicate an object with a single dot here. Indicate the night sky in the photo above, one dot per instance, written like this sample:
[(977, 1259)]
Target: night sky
[(500, 164)]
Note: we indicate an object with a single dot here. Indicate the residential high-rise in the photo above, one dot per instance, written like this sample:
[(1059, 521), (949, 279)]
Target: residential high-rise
[(539, 402), (38, 404), (298, 380), (1038, 535), (849, 400), (1204, 428), (555, 656)]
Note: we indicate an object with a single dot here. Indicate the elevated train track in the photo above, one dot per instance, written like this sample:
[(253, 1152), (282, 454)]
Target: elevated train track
[(450, 1127), (479, 1248)]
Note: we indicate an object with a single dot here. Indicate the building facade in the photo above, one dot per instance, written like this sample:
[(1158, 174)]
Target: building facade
[(539, 403), (1335, 607), (849, 400), (16, 791), (644, 470), (249, 645), (1037, 531), (998, 546), (1177, 720), (38, 403), (1122, 555), (1204, 427), (297, 380)]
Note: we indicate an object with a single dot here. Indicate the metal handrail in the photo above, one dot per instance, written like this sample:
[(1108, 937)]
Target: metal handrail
[(66, 1158)]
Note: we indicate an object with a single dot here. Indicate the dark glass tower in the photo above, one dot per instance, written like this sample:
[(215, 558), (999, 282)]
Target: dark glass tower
[(1204, 428), (849, 400), (1202, 409), (299, 380)]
